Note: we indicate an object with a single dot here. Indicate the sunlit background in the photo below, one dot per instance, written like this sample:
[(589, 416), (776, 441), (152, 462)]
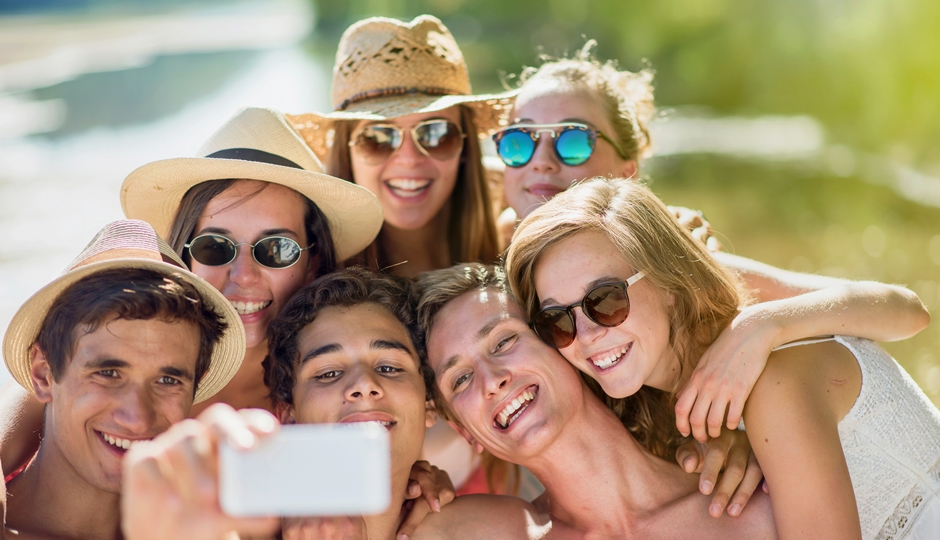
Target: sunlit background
[(807, 131)]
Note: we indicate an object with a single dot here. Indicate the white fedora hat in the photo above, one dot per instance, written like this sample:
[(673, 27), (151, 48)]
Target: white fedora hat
[(255, 144)]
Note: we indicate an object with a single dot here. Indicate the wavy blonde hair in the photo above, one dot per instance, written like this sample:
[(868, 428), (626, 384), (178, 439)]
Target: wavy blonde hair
[(706, 296), (627, 97)]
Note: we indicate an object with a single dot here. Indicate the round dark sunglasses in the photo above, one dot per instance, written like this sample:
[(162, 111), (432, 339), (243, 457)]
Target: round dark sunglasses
[(607, 305), (438, 139), (574, 143), (217, 250)]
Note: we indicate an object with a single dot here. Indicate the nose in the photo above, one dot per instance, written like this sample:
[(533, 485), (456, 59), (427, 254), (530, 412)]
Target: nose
[(587, 330), (408, 153), (544, 159), (362, 384), (245, 270), (135, 411), (495, 378)]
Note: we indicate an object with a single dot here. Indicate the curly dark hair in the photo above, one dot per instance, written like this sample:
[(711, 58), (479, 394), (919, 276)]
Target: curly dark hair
[(344, 288)]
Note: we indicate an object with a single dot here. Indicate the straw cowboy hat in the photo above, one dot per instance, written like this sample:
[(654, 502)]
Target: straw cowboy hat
[(125, 244), (386, 68), (255, 144)]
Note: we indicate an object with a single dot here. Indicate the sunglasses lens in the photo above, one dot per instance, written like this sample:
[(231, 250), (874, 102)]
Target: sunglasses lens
[(212, 250), (277, 252), (441, 140), (574, 146), (377, 143), (515, 148), (554, 326), (607, 305)]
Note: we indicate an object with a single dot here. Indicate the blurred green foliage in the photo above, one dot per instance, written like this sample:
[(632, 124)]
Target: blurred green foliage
[(868, 69)]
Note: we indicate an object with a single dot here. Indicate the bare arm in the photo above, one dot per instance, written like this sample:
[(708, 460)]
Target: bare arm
[(792, 418), (794, 306), (21, 420)]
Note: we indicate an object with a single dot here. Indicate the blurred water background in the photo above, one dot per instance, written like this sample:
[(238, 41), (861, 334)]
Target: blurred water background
[(807, 131)]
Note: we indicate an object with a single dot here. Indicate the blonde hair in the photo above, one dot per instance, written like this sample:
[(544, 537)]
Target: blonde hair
[(706, 296), (627, 97), (471, 231)]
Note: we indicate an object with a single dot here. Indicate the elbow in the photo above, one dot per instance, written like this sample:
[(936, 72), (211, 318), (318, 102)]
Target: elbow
[(918, 314)]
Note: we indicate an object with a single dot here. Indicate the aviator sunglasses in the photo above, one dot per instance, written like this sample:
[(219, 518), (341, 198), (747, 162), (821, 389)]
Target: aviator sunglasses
[(217, 250), (438, 139), (607, 305), (574, 143)]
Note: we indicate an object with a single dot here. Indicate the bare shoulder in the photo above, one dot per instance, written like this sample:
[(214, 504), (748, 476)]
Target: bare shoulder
[(483, 517), (825, 375), (688, 517)]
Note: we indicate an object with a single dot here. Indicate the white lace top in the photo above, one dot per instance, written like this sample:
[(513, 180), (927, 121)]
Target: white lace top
[(891, 441)]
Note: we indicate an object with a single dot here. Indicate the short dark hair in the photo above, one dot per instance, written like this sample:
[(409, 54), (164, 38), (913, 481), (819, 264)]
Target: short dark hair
[(195, 200), (130, 294), (344, 288)]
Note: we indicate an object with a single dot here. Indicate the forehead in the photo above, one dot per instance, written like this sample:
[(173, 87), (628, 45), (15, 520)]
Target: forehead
[(458, 323), (549, 100), (353, 327), (450, 113), (578, 260), (266, 203), (140, 343)]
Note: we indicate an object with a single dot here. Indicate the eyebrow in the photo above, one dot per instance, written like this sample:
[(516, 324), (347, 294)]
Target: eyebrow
[(484, 331), (320, 351), (378, 344), (390, 345), (263, 234), (588, 287)]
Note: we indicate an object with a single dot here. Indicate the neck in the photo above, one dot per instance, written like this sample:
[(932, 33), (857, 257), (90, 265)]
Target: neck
[(413, 251), (383, 526), (634, 483), (246, 390), (50, 499)]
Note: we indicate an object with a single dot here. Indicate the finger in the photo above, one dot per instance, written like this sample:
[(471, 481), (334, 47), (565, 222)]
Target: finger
[(698, 416), (716, 416), (261, 422), (713, 244), (711, 467), (418, 512), (765, 487), (735, 410), (684, 403), (192, 471), (727, 484), (225, 423), (433, 487), (688, 457), (753, 477)]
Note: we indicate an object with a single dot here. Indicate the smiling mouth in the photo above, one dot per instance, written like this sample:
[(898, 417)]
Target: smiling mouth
[(407, 187), (247, 308), (516, 407), (119, 443), (610, 358)]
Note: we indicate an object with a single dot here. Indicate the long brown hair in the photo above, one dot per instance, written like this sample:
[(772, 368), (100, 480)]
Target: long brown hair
[(706, 296), (194, 203), (471, 231)]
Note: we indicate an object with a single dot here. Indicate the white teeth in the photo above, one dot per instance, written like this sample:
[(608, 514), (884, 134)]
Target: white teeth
[(610, 359), (247, 308), (514, 408), (408, 187), (120, 443)]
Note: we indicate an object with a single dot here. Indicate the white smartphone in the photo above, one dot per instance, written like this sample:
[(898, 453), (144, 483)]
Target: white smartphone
[(309, 470)]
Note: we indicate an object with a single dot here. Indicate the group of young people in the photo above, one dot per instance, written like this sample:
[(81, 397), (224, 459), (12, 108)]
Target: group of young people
[(252, 286)]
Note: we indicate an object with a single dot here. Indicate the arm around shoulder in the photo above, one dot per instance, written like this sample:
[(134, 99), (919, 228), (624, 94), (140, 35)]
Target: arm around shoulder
[(482, 517)]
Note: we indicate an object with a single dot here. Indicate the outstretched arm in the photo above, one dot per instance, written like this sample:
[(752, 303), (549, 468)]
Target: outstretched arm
[(793, 306), (20, 426)]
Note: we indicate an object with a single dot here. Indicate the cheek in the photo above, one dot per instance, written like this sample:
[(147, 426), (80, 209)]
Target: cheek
[(365, 175), (215, 275)]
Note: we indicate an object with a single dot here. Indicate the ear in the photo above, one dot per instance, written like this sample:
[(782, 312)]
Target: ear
[(629, 169), (284, 413), (41, 374), (477, 447), (430, 413)]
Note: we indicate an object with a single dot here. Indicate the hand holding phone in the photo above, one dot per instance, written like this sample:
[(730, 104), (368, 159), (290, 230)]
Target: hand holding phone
[(309, 470)]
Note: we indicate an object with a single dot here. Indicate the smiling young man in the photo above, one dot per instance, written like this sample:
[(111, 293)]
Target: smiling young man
[(116, 349), (342, 350), (507, 392)]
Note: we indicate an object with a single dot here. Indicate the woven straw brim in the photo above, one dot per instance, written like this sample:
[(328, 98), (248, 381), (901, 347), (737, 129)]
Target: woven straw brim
[(153, 193), (490, 112), (24, 328)]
